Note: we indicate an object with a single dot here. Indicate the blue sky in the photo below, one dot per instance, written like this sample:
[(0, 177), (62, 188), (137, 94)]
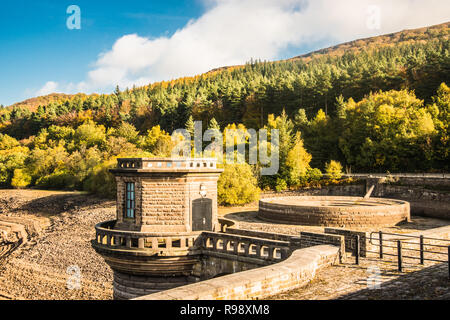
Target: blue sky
[(141, 41), (36, 46)]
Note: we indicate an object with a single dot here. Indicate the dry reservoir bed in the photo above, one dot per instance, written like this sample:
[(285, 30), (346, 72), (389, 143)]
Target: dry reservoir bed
[(39, 269)]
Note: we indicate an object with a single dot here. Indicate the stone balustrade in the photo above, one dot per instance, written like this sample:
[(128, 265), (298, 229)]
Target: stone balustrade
[(248, 247), (295, 272), (165, 164), (163, 244)]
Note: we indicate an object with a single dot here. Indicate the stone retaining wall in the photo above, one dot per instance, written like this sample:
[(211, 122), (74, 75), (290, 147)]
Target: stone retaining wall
[(350, 240), (423, 202), (260, 234), (311, 239), (347, 190), (428, 195), (127, 286), (298, 270)]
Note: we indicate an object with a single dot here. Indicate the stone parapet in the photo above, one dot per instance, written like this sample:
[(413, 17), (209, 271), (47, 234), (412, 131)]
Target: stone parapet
[(165, 165), (298, 270)]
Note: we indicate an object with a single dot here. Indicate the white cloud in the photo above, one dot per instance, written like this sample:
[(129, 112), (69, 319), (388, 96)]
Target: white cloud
[(49, 87), (233, 31)]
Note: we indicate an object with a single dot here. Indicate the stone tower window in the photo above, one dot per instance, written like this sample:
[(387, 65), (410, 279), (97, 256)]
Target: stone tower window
[(130, 201)]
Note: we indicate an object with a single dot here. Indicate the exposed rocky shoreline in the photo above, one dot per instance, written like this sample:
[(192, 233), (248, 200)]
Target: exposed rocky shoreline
[(39, 268)]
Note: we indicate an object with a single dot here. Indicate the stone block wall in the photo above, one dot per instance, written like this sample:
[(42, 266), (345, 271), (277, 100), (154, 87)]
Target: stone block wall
[(123, 223), (311, 239), (423, 202), (127, 286), (428, 196), (348, 190), (350, 240), (291, 210), (260, 234), (164, 203), (211, 266)]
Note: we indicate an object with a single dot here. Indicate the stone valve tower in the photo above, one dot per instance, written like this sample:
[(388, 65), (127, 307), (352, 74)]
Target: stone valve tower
[(163, 206)]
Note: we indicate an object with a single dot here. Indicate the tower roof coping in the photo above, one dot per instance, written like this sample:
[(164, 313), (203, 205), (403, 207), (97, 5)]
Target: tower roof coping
[(156, 159), (167, 164)]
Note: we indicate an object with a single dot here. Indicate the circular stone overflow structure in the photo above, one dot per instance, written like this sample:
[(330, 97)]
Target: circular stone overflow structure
[(334, 211)]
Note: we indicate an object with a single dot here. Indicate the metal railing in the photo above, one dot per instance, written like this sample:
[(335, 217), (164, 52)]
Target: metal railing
[(396, 245)]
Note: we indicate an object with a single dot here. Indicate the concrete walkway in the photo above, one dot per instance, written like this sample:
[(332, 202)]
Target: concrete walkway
[(349, 281)]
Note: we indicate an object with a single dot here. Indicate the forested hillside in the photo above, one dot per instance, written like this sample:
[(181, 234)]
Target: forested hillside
[(374, 105)]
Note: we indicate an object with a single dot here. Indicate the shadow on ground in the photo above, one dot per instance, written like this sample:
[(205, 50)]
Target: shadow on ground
[(246, 216), (39, 203), (430, 283)]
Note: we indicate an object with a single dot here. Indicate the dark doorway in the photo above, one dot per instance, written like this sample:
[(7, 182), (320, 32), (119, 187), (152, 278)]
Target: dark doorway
[(202, 215)]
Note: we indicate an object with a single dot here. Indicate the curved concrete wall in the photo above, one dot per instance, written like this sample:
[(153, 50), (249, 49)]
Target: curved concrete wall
[(127, 286), (383, 212), (428, 194), (296, 271)]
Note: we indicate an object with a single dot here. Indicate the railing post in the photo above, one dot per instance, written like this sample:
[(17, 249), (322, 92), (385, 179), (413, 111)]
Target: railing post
[(399, 255), (381, 244), (247, 248), (258, 250), (236, 247), (225, 244), (284, 253), (141, 243), (155, 243), (357, 250), (183, 243), (422, 260), (168, 243)]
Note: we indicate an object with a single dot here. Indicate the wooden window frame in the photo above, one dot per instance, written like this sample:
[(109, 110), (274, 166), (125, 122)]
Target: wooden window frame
[(129, 211)]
